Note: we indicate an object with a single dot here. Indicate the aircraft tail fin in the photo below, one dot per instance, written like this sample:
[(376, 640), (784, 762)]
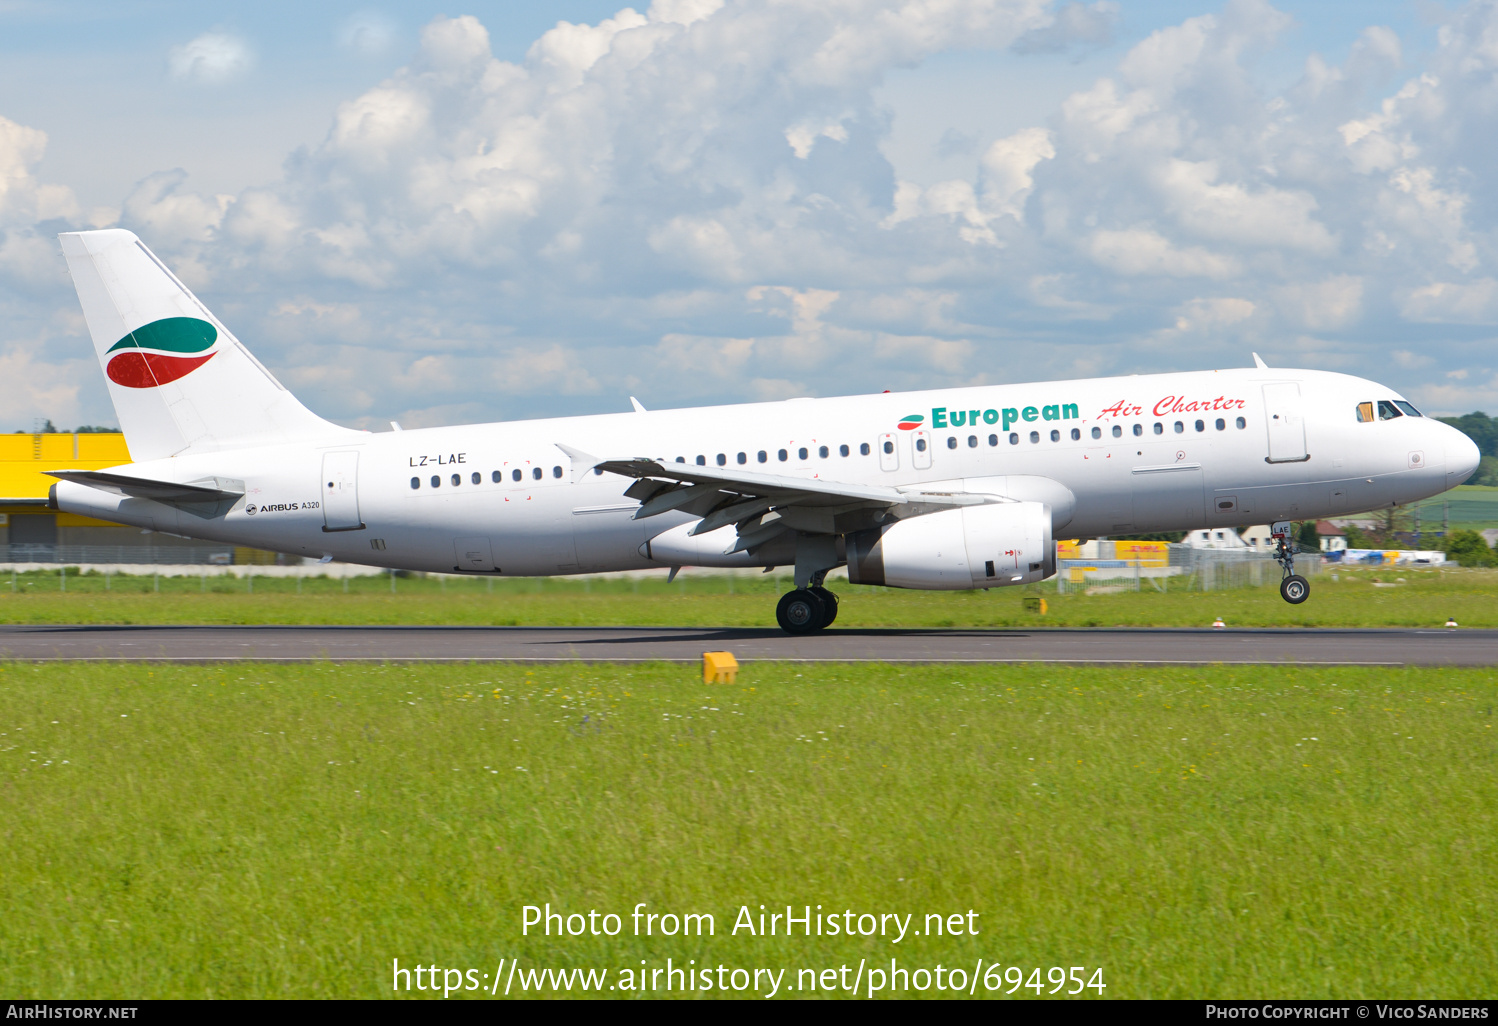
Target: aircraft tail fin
[(180, 381)]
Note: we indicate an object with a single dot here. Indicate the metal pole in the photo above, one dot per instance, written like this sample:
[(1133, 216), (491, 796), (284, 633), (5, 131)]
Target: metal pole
[(62, 578), (392, 580)]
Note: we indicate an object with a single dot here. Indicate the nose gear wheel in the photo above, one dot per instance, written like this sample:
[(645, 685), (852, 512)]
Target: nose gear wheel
[(1294, 589)]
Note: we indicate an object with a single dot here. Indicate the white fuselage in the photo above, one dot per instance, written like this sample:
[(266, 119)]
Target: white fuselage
[(503, 498)]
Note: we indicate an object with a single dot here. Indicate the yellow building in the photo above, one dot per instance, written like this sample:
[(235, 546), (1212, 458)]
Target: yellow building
[(30, 532)]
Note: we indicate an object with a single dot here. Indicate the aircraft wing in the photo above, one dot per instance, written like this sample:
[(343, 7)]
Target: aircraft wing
[(764, 506), (207, 499)]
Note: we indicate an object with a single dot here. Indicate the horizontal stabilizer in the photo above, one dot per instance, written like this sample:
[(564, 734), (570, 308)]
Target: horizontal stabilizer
[(208, 498)]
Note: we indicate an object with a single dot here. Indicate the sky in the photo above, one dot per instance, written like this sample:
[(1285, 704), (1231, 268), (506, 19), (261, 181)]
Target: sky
[(515, 209)]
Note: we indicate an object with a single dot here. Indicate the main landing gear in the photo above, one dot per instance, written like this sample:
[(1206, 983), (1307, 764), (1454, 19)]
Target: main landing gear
[(806, 610), (1294, 589)]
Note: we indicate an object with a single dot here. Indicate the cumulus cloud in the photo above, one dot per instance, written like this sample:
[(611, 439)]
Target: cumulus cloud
[(211, 59), (368, 33), (692, 203)]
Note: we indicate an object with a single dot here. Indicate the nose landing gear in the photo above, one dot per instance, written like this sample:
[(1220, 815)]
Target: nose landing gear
[(1294, 588)]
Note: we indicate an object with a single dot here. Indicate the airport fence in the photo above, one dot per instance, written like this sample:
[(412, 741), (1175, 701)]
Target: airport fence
[(73, 555), (1178, 568)]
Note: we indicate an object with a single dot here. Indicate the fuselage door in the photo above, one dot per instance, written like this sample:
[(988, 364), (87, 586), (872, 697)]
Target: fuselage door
[(1286, 423), (889, 453), (340, 492), (921, 442)]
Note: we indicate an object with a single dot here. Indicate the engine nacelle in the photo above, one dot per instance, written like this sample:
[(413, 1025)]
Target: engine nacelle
[(971, 547)]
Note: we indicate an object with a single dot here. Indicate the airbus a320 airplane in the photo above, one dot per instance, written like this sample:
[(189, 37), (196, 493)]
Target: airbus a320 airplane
[(945, 489)]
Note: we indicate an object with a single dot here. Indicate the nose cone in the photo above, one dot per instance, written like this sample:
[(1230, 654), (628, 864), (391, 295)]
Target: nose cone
[(1462, 458)]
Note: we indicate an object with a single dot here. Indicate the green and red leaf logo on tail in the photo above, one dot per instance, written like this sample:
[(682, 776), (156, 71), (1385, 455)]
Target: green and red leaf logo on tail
[(911, 422), (161, 351)]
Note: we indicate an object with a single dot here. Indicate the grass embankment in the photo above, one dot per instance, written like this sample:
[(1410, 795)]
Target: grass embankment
[(254, 830), (1355, 598)]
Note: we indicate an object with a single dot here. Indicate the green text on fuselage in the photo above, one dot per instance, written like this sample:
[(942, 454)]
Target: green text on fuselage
[(942, 417)]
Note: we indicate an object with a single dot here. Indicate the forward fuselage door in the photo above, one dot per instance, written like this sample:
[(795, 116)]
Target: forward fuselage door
[(1286, 423), (889, 452), (921, 442), (340, 492)]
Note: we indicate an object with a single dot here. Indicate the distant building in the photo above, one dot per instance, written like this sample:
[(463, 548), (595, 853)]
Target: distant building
[(32, 533), (1215, 538), (1331, 537)]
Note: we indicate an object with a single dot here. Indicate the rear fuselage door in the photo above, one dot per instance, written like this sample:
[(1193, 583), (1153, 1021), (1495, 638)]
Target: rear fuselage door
[(340, 492), (1286, 423), (889, 452)]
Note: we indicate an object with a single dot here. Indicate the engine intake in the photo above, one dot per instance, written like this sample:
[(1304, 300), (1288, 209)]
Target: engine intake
[(972, 547)]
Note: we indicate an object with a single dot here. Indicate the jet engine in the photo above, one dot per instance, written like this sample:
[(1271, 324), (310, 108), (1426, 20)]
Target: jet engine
[(971, 547)]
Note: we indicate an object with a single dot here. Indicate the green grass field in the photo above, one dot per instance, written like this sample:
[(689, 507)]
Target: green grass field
[(1470, 508), (255, 830), (1342, 598)]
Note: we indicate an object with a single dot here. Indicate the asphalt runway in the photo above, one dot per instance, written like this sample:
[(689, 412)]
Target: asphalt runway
[(1362, 647)]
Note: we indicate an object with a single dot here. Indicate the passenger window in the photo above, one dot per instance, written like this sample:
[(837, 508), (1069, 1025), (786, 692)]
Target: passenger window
[(722, 460), (1097, 432), (743, 458), (1180, 427), (1407, 408), (763, 456), (1117, 430), (478, 478), (436, 481), (1365, 413), (457, 480), (972, 441), (823, 452), (920, 445), (415, 483), (681, 459), (536, 473), (889, 447), (783, 455), (1139, 430), (801, 452), (556, 472), (515, 474), (863, 449), (951, 441), (843, 450), (1221, 424), (497, 477), (1387, 410), (1201, 425), (1034, 437), (1076, 434), (1159, 428), (1055, 436), (1242, 423), (1014, 438), (993, 439), (702, 461)]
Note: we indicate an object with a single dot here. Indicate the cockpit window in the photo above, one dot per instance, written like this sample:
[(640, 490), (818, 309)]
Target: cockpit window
[(1365, 413), (1409, 410), (1387, 410)]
